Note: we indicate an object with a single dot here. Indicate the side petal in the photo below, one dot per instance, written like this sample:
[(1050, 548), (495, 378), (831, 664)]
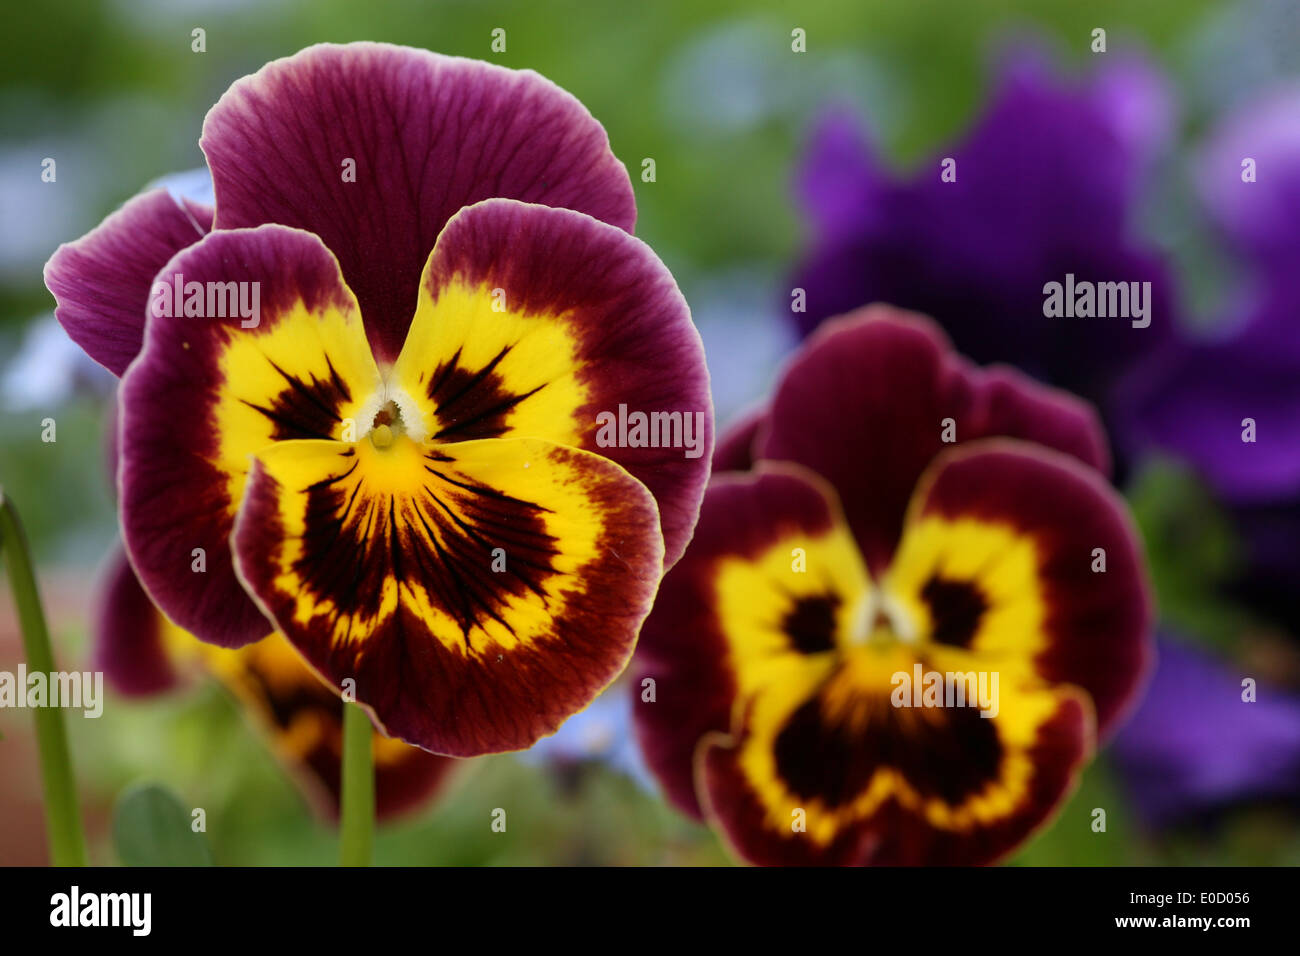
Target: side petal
[(426, 134), (129, 636), (1025, 558), (478, 594), (535, 322), (206, 393), (735, 449), (765, 592), (867, 403), (101, 281), (302, 717)]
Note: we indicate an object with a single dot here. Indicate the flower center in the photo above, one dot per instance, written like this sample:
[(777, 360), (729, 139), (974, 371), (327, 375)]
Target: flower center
[(387, 426), (882, 620)]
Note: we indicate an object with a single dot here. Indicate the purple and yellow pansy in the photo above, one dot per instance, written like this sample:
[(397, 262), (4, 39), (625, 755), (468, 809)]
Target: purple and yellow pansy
[(393, 456), (895, 509), (142, 654)]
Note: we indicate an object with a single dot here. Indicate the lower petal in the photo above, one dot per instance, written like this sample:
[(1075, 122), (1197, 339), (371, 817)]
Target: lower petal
[(845, 775), (477, 594)]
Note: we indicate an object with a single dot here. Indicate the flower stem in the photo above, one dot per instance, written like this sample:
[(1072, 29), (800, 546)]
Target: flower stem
[(62, 816), (357, 792)]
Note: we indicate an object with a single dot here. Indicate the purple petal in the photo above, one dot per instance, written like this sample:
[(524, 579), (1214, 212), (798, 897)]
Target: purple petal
[(1260, 216), (128, 635), (101, 282), (1192, 399), (1044, 187), (1194, 745)]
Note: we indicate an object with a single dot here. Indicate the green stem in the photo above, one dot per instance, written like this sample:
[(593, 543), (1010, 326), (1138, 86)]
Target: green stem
[(62, 817), (357, 793)]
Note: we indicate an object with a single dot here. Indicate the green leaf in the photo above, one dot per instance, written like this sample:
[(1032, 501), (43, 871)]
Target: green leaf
[(151, 827)]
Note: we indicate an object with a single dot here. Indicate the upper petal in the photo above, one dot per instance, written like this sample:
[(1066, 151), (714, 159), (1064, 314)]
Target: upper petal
[(478, 594), (536, 322), (427, 134), (867, 402), (101, 281), (208, 392)]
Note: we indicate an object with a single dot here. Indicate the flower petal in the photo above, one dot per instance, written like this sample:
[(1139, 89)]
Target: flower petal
[(1044, 185), (129, 635), (835, 775), (737, 610), (303, 719), (428, 134), (101, 281), (1023, 557), (535, 322), (1194, 746), (207, 393), (865, 404), (478, 594), (735, 449)]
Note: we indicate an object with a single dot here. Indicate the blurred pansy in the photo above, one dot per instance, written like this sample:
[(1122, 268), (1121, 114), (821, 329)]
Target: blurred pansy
[(142, 654), (860, 553), (1045, 188), (387, 438)]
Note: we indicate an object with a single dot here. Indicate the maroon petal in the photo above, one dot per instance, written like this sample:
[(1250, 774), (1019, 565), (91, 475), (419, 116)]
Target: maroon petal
[(429, 134), (128, 634), (864, 406), (1095, 624), (544, 323), (208, 392), (101, 282), (735, 449), (686, 643)]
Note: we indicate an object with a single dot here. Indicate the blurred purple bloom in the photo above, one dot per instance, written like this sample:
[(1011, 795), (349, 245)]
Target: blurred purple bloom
[(1046, 183), (1194, 746), (1193, 397)]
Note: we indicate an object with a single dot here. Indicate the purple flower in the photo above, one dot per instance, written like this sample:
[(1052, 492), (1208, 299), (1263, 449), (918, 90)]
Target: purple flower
[(1044, 187), (1194, 745), (1228, 403)]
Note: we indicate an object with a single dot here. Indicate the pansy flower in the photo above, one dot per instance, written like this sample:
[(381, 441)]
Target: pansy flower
[(364, 398), (142, 654), (904, 517), (1045, 185)]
